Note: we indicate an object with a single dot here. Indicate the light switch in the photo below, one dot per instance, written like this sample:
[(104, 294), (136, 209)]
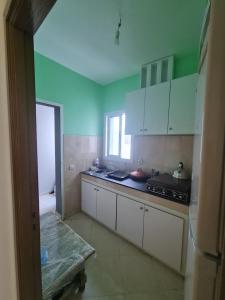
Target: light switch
[(71, 167), (140, 161)]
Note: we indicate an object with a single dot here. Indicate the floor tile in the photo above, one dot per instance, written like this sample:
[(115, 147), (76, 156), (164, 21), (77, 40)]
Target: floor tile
[(81, 225), (127, 249), (47, 202), (174, 295), (105, 280), (142, 296), (138, 274), (120, 271), (169, 279), (105, 242)]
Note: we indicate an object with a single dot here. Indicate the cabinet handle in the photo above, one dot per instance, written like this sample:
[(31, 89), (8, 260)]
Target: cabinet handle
[(141, 207), (141, 129), (145, 129), (171, 128), (146, 209)]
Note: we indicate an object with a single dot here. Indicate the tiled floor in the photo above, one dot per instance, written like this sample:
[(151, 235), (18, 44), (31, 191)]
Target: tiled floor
[(46, 203), (120, 271)]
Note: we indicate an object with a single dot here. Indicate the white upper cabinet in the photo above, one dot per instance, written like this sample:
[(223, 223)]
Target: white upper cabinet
[(106, 208), (135, 112), (165, 108), (182, 105), (156, 109)]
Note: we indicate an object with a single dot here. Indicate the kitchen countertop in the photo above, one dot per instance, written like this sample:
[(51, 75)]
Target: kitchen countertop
[(130, 183), (140, 186)]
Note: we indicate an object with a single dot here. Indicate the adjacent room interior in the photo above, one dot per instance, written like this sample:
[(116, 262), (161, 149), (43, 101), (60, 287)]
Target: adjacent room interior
[(130, 77), (46, 157)]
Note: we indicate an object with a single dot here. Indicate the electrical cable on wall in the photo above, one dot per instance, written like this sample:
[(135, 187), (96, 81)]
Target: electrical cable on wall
[(117, 34)]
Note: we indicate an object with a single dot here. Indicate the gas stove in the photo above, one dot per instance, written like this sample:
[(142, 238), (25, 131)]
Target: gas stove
[(166, 186)]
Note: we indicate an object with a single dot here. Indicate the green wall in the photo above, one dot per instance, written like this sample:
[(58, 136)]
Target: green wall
[(85, 101), (81, 97), (114, 93), (186, 65)]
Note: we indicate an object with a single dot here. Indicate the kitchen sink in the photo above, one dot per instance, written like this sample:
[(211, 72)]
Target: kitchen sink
[(118, 175)]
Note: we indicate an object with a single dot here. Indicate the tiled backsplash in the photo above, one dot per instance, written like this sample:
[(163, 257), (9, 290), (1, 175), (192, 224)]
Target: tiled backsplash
[(79, 153), (159, 152), (162, 153)]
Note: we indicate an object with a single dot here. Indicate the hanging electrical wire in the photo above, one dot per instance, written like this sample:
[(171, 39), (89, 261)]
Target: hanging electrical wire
[(118, 28), (117, 35)]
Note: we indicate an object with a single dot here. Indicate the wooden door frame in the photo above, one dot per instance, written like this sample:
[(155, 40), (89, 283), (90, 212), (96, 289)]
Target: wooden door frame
[(22, 20)]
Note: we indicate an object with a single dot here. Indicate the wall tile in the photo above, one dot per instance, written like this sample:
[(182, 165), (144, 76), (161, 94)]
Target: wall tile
[(79, 152), (159, 152)]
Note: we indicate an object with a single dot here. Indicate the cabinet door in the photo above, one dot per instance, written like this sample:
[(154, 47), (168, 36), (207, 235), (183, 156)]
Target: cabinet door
[(88, 198), (182, 105), (200, 98), (134, 109), (163, 236), (130, 219), (157, 108), (106, 208)]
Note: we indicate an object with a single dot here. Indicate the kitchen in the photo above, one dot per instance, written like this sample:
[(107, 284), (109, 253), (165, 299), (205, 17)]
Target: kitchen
[(130, 148)]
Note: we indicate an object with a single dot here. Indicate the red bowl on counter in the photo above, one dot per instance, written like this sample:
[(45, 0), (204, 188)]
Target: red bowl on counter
[(139, 175)]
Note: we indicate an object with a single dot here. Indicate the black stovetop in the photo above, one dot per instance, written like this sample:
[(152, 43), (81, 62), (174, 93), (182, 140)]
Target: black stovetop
[(168, 181), (165, 185)]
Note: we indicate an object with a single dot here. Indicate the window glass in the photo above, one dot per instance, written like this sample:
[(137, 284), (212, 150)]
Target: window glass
[(114, 134), (117, 143)]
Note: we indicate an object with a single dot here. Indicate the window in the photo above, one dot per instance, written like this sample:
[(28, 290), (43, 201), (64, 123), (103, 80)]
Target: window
[(117, 143)]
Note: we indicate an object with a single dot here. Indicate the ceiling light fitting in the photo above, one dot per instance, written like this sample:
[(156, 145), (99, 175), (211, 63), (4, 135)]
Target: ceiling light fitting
[(117, 35)]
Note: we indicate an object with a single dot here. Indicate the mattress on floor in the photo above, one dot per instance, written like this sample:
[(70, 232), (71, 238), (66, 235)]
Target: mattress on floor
[(67, 253)]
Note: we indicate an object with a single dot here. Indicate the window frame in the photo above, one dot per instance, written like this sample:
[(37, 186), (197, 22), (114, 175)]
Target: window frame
[(106, 154)]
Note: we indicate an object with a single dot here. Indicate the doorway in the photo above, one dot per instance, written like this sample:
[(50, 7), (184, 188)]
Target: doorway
[(50, 158)]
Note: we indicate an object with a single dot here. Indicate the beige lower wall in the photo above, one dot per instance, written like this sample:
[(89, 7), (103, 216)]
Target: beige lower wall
[(8, 278), (159, 152), (162, 153), (79, 153)]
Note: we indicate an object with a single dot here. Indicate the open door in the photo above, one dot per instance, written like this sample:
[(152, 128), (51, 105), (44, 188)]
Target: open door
[(50, 158)]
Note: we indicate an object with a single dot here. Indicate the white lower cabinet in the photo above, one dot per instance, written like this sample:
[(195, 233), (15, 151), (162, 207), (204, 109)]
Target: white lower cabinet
[(99, 204), (106, 208), (130, 219), (163, 236), (89, 198), (158, 232)]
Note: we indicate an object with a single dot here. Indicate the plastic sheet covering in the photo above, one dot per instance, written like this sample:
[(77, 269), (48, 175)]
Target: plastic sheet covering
[(67, 253)]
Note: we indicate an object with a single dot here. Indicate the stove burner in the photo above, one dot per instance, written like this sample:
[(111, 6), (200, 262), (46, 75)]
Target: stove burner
[(169, 187)]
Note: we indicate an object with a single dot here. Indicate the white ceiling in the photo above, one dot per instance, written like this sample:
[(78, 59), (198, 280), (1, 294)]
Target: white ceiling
[(79, 34)]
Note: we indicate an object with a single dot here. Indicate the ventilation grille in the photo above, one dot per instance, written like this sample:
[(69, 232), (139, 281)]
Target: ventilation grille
[(157, 71)]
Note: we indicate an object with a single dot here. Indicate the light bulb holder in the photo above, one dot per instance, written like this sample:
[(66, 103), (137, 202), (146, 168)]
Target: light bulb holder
[(117, 35)]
